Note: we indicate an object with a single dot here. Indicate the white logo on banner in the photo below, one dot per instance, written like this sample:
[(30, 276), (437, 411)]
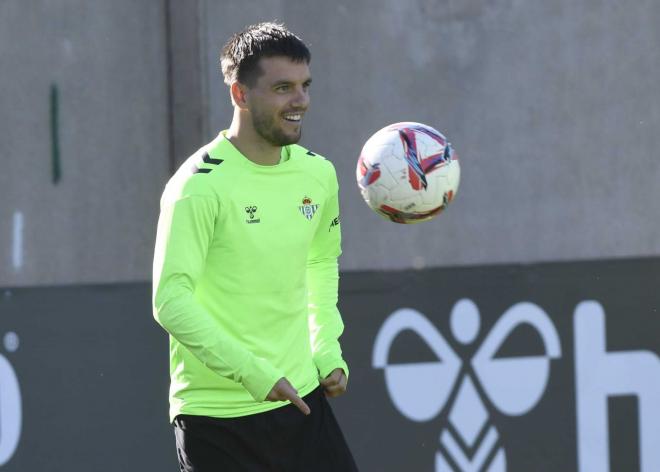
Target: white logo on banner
[(600, 374), (10, 403), (420, 391)]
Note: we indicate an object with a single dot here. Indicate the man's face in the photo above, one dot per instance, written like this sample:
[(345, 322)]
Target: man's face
[(279, 99)]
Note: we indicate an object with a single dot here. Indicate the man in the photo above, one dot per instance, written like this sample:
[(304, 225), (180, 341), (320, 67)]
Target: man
[(245, 278)]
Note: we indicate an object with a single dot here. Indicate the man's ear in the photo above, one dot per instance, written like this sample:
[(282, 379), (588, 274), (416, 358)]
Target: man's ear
[(238, 94)]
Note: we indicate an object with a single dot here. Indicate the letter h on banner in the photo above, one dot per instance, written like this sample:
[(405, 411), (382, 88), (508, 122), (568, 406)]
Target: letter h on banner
[(600, 374)]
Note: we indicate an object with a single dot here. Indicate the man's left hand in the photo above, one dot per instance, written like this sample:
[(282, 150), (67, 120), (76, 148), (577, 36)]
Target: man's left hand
[(335, 383)]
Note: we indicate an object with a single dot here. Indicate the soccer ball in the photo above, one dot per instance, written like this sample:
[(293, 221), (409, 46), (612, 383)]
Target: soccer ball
[(408, 172)]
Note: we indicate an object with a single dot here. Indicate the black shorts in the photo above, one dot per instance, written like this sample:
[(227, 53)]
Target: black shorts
[(280, 440)]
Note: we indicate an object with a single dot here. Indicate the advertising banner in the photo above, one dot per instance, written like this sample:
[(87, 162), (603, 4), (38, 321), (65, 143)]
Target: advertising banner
[(548, 367), (83, 381)]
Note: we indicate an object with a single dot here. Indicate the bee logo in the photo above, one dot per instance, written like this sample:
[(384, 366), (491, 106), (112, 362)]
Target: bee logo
[(251, 210), (434, 382)]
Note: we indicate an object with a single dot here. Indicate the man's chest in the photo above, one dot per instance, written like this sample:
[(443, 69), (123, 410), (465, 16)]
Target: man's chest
[(260, 216)]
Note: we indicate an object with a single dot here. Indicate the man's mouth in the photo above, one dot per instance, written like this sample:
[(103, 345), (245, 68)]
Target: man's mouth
[(293, 117)]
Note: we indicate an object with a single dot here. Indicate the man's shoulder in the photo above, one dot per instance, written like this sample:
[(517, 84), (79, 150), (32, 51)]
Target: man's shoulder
[(316, 166), (299, 151), (195, 177), (311, 159)]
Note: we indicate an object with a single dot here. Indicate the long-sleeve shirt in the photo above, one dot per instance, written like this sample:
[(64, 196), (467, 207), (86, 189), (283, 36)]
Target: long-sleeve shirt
[(245, 278)]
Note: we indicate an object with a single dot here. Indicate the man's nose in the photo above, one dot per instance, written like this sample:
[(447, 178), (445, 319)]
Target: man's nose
[(301, 100)]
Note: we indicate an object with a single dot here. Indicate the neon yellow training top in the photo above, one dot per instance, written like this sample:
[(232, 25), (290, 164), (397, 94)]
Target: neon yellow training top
[(245, 278)]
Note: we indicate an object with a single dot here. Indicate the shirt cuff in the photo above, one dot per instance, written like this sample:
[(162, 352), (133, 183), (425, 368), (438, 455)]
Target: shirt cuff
[(325, 367), (260, 377)]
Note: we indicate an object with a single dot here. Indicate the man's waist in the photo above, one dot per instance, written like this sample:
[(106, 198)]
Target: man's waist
[(230, 400)]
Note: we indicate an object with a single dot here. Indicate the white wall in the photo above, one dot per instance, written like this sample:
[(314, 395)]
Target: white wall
[(108, 61), (553, 107)]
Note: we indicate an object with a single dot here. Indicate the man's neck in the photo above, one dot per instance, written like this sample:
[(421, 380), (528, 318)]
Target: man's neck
[(253, 146)]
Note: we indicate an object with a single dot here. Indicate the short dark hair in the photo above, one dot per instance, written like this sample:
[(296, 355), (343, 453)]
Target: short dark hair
[(239, 59)]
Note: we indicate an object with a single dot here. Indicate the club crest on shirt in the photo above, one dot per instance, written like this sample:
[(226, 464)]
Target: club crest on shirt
[(307, 208)]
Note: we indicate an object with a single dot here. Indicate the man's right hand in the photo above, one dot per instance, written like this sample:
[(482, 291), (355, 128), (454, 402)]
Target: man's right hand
[(283, 391)]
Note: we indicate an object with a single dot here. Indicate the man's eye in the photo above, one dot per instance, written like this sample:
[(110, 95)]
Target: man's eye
[(282, 88)]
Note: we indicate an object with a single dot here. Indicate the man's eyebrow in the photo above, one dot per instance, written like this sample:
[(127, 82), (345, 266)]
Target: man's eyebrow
[(289, 82)]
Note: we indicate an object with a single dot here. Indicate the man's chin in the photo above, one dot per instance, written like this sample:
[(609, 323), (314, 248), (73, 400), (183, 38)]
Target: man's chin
[(286, 139), (280, 137), (295, 139)]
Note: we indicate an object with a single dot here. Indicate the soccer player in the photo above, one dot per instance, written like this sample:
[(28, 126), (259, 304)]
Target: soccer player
[(245, 278)]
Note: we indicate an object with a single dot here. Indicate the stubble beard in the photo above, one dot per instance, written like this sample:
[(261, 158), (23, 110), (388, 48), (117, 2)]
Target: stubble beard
[(266, 127)]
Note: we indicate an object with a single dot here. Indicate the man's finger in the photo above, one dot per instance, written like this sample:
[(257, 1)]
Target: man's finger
[(283, 391), (335, 379), (335, 390), (328, 382), (300, 403), (335, 384), (291, 394), (340, 387)]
